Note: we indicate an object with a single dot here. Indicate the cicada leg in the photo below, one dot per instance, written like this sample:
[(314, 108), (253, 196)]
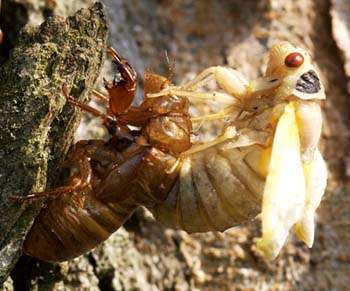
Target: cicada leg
[(122, 89), (230, 80), (236, 88), (119, 90), (220, 97), (77, 183), (100, 96), (71, 100), (80, 158), (230, 133), (230, 111), (126, 70)]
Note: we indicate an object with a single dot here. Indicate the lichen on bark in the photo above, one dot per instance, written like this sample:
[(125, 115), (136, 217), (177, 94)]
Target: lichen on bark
[(36, 127)]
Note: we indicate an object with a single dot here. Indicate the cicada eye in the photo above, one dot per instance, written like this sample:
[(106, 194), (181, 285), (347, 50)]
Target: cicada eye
[(294, 60)]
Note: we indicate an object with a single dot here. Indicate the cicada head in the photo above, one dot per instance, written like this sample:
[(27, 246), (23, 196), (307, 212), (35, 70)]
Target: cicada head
[(293, 65), (285, 59)]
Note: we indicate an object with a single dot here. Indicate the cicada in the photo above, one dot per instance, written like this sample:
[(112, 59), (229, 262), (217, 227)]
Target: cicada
[(274, 127), (265, 157)]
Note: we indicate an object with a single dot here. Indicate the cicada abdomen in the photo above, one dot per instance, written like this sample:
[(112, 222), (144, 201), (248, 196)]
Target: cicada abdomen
[(66, 230), (217, 189)]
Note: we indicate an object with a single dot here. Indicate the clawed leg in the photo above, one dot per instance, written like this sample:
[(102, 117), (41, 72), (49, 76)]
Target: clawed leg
[(71, 100), (77, 184), (122, 89), (100, 96), (121, 92), (127, 72)]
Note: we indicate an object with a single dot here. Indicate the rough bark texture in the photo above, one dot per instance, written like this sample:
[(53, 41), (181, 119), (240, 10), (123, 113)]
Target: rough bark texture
[(36, 127), (198, 34)]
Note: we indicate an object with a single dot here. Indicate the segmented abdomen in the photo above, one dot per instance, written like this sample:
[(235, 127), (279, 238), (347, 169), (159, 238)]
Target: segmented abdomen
[(65, 229), (216, 190)]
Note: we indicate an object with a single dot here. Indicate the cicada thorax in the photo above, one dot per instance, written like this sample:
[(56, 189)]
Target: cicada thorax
[(164, 120), (150, 172), (171, 127)]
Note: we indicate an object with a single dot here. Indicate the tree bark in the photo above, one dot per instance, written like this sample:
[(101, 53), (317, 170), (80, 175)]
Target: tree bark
[(36, 126)]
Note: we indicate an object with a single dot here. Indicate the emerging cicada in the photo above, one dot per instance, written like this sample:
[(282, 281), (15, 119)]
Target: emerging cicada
[(267, 151), (275, 130)]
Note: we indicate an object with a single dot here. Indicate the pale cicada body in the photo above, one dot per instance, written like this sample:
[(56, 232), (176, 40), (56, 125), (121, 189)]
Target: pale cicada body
[(272, 141)]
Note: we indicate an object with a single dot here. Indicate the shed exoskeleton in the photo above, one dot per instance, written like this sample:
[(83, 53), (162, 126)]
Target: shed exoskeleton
[(110, 179)]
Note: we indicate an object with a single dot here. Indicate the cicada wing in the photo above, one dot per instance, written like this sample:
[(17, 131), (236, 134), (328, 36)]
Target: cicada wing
[(284, 193), (316, 180)]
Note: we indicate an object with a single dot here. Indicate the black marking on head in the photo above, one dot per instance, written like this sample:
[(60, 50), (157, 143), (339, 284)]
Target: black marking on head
[(308, 83)]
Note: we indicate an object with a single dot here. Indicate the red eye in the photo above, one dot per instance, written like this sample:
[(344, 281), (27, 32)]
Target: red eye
[(294, 60)]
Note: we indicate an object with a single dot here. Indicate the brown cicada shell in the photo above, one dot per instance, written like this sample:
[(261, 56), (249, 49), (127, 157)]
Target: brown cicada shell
[(113, 178)]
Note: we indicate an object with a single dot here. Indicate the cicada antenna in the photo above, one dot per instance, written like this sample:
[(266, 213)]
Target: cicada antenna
[(171, 67)]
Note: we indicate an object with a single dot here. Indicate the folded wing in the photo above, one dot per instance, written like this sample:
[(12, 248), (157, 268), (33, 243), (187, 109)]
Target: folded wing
[(284, 194)]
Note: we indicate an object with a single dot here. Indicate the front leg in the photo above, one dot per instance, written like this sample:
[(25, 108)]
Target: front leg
[(76, 184), (232, 82), (86, 157)]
